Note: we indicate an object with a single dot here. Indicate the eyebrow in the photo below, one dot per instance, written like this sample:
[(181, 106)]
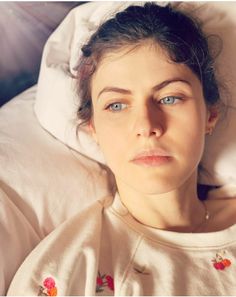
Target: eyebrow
[(155, 88)]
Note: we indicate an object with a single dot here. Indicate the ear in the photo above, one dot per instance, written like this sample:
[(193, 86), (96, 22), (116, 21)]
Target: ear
[(213, 115), (92, 130)]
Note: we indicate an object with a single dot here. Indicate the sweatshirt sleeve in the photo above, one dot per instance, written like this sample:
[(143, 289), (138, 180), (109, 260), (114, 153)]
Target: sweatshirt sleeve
[(61, 263), (17, 237)]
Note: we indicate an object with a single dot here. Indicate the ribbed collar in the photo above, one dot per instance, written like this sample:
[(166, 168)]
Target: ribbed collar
[(178, 239)]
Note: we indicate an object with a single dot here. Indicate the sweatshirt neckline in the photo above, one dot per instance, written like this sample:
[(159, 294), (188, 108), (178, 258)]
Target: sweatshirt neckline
[(173, 238)]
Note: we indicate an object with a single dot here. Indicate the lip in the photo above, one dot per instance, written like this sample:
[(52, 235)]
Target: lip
[(152, 158)]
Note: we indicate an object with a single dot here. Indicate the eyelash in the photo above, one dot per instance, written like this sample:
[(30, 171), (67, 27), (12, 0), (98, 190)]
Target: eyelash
[(108, 107), (175, 97)]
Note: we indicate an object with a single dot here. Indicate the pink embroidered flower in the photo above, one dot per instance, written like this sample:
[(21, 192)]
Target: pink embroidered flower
[(110, 282), (49, 283)]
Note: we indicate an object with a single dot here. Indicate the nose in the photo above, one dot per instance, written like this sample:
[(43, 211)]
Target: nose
[(149, 122)]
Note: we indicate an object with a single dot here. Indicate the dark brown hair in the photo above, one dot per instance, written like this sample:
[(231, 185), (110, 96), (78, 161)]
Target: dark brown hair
[(174, 31)]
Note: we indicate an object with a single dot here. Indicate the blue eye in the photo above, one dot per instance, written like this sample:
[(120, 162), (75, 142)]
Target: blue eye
[(116, 106), (169, 100)]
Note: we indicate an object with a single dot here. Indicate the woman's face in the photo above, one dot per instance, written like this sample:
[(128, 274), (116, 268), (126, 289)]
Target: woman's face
[(143, 102)]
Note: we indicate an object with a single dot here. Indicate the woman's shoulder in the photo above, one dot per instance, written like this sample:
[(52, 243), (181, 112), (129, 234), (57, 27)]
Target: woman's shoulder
[(56, 255), (76, 227)]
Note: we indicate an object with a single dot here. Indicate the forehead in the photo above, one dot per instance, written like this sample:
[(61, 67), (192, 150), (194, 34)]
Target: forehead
[(145, 65), (122, 58)]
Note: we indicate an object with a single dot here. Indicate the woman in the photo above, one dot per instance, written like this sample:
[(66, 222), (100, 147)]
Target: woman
[(149, 96)]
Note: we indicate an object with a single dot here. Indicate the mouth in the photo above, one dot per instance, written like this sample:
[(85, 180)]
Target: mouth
[(152, 158)]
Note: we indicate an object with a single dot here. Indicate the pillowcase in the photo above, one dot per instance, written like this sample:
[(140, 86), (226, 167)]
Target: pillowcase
[(46, 180), (57, 102), (218, 20)]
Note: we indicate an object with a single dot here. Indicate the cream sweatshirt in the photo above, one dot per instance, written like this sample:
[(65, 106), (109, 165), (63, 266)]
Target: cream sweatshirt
[(105, 251)]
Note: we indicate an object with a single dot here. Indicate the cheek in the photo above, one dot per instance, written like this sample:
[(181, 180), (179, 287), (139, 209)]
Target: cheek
[(193, 138), (112, 140)]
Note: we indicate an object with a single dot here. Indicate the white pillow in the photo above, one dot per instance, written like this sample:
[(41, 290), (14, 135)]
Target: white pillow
[(219, 158), (46, 180), (57, 102)]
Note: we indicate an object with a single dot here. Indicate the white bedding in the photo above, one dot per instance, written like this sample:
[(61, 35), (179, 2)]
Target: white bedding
[(43, 180)]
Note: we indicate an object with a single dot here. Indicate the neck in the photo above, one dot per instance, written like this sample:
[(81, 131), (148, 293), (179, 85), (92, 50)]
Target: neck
[(179, 210)]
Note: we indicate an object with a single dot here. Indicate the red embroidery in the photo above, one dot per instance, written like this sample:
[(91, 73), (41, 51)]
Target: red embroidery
[(220, 262), (49, 288), (99, 281), (110, 282), (103, 281)]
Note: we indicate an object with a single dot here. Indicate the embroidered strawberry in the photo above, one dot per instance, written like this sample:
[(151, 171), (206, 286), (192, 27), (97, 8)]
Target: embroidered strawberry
[(49, 288), (49, 283), (52, 292), (103, 281), (219, 266), (219, 262), (110, 282), (226, 262), (99, 281)]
